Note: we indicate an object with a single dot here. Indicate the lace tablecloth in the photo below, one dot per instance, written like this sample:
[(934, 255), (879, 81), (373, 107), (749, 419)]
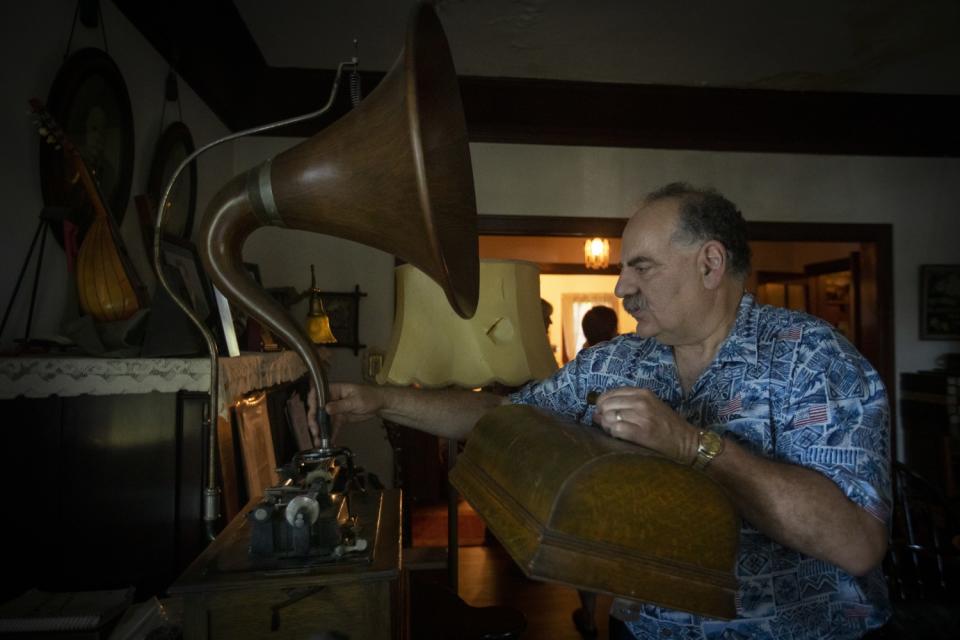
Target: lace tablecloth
[(38, 377)]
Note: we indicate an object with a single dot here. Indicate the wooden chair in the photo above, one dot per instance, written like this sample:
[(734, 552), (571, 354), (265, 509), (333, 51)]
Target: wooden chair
[(922, 555), (923, 560)]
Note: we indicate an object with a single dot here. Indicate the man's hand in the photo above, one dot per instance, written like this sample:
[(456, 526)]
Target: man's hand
[(448, 413), (637, 415), (347, 403), (796, 506), (354, 402)]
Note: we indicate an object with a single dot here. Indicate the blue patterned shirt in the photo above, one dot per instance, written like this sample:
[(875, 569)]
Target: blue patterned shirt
[(787, 386)]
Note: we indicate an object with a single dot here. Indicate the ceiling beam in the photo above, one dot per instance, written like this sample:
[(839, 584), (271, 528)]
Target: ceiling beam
[(706, 118), (209, 44)]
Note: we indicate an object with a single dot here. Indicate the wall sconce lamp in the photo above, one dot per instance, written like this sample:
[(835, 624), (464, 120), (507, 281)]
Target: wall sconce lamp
[(596, 253), (318, 322)]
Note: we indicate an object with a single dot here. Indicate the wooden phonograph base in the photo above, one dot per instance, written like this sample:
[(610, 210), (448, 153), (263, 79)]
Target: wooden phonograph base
[(228, 594)]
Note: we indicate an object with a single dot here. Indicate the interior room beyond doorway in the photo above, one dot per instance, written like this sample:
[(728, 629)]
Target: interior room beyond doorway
[(834, 280)]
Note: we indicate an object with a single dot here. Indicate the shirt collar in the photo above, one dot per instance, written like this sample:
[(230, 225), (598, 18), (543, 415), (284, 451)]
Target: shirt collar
[(741, 344)]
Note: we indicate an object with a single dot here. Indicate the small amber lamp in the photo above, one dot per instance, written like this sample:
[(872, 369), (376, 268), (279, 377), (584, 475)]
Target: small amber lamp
[(596, 253), (318, 322)]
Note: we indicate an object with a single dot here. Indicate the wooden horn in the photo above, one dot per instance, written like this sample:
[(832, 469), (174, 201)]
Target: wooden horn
[(394, 174)]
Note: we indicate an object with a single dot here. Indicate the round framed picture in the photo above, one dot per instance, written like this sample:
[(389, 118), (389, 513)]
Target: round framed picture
[(89, 101), (174, 146)]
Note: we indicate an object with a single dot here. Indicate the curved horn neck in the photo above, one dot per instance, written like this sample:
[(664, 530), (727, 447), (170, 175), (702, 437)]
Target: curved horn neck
[(231, 218)]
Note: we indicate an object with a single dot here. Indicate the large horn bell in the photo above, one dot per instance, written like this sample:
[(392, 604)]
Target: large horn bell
[(393, 174)]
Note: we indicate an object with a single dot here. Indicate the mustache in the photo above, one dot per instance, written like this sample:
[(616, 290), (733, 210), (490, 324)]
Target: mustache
[(634, 303)]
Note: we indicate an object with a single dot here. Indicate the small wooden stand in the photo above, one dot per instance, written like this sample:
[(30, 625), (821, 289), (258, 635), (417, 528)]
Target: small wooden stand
[(226, 594)]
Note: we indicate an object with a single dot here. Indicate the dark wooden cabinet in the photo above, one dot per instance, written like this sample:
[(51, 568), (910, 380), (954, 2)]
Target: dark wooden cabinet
[(105, 491), (104, 465), (931, 427)]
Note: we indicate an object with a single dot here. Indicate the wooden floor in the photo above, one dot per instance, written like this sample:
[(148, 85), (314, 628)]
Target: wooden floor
[(489, 577)]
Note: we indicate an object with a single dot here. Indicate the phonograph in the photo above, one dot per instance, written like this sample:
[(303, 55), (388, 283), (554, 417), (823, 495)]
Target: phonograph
[(395, 174)]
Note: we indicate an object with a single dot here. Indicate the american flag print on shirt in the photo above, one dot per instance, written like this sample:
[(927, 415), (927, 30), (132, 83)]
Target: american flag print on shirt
[(814, 414)]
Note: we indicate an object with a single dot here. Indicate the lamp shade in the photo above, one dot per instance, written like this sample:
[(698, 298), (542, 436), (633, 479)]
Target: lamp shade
[(505, 341)]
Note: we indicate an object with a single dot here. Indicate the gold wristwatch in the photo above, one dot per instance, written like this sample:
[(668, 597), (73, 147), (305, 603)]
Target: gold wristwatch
[(710, 446)]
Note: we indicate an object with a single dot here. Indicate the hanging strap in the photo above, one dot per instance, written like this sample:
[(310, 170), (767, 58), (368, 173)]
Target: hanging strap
[(73, 26), (171, 92)]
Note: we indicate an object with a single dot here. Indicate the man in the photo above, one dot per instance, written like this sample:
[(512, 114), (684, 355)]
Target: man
[(599, 324), (802, 421), (547, 310)]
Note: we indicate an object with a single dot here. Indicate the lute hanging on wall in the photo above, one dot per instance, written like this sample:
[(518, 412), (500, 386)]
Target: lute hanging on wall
[(108, 287)]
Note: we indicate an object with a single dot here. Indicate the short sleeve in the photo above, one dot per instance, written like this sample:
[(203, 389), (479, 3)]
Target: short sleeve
[(559, 393), (837, 420)]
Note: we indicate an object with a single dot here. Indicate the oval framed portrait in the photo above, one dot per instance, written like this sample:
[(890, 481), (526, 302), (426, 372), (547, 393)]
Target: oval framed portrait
[(89, 101), (174, 146)]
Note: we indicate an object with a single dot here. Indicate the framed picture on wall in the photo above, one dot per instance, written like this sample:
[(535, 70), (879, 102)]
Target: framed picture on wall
[(174, 146), (186, 275), (940, 302), (89, 100)]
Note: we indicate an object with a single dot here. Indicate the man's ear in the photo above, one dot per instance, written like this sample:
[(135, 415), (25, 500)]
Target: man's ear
[(713, 263)]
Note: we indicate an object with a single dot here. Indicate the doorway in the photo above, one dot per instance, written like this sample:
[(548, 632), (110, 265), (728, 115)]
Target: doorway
[(842, 272), (822, 279)]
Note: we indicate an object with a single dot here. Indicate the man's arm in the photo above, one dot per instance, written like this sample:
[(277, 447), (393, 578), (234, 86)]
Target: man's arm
[(801, 509), (448, 413), (796, 506)]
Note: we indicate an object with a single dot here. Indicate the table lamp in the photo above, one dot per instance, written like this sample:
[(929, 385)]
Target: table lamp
[(504, 343)]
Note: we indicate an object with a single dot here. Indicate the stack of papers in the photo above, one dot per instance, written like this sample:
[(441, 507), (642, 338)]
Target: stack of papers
[(38, 610)]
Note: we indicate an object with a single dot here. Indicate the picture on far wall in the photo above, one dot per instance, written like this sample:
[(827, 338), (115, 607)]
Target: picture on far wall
[(940, 302)]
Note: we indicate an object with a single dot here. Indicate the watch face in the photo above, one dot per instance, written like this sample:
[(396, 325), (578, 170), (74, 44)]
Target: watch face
[(711, 443)]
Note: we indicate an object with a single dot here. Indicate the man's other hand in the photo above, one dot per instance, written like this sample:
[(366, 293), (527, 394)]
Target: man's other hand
[(637, 415)]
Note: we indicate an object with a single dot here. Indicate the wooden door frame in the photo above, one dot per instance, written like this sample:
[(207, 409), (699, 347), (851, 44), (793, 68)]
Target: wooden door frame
[(880, 235)]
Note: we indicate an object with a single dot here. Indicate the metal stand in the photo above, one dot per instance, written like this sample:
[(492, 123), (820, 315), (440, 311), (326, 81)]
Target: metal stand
[(47, 215), (453, 538)]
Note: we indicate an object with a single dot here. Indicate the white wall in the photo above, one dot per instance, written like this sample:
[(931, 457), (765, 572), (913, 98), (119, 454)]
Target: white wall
[(34, 39)]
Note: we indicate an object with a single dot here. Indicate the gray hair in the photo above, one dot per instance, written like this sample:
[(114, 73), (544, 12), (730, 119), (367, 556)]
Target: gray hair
[(706, 215)]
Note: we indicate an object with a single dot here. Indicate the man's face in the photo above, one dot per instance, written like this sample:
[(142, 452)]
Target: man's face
[(660, 281)]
